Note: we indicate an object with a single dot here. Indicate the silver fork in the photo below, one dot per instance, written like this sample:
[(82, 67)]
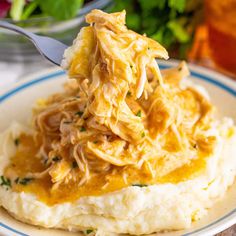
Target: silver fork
[(50, 48)]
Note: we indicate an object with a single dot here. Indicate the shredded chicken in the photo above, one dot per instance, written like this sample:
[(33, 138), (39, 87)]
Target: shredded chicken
[(120, 113)]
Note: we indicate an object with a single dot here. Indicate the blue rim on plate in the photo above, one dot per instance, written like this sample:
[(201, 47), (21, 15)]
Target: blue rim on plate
[(55, 75)]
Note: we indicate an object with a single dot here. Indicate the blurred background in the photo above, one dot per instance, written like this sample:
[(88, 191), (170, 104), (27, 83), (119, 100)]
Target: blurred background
[(199, 31)]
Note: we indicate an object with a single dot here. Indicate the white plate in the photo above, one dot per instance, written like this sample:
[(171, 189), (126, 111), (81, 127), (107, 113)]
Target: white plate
[(16, 104)]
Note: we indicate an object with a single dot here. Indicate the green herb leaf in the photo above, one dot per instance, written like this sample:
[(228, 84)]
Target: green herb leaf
[(150, 4), (74, 164), (45, 161), (17, 180), (79, 113), (179, 5), (121, 5), (143, 135), (5, 181), (140, 185), (139, 113), (67, 122), (56, 159), (159, 35), (17, 141), (25, 181), (88, 231), (178, 31), (82, 129), (133, 20), (152, 23), (128, 94), (29, 9), (169, 38), (60, 9)]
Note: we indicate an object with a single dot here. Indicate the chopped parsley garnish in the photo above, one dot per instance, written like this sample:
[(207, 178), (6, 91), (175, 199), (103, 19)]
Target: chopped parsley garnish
[(17, 141), (25, 181), (74, 164), (88, 231), (56, 159), (79, 113), (139, 113), (67, 122), (5, 181), (17, 180), (95, 142), (82, 129), (128, 94), (140, 185), (131, 66), (143, 135)]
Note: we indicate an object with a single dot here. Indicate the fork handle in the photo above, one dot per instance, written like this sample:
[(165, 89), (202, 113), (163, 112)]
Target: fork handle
[(17, 29)]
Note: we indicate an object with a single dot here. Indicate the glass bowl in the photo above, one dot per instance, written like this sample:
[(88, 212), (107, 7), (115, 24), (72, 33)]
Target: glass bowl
[(16, 48)]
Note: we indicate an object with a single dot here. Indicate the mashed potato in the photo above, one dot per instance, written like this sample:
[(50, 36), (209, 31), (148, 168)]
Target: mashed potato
[(134, 210)]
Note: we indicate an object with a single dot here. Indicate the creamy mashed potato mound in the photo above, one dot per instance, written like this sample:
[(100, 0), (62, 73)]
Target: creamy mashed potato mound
[(126, 148)]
